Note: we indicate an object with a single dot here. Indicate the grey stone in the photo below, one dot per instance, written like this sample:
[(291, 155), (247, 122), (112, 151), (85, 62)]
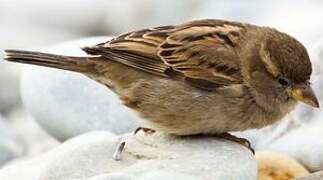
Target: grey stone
[(10, 146), (146, 156), (160, 156), (32, 137), (32, 168), (67, 104)]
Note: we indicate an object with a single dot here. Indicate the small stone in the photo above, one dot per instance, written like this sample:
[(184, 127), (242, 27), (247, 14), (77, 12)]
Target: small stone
[(10, 147), (278, 166)]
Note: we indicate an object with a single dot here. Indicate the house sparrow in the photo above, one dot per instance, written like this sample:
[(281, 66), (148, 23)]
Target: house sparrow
[(201, 77)]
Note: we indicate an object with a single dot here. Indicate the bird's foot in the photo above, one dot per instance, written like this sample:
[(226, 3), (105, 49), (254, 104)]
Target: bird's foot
[(238, 140), (119, 149), (145, 130)]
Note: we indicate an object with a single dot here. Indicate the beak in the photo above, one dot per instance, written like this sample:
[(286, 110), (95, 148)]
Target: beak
[(305, 94)]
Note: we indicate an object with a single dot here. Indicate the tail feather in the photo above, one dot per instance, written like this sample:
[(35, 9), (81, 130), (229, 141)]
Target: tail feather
[(78, 64)]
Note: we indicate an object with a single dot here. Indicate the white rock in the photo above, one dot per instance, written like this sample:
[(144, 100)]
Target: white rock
[(304, 144), (32, 168), (10, 146), (34, 139), (67, 104), (146, 157)]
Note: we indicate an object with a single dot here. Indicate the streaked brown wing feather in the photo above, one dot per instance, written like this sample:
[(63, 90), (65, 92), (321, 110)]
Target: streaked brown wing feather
[(140, 62), (202, 51)]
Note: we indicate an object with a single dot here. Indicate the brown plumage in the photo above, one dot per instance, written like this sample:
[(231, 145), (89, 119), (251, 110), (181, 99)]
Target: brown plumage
[(201, 77)]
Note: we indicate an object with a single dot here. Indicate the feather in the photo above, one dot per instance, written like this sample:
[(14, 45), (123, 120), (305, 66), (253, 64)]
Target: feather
[(201, 51)]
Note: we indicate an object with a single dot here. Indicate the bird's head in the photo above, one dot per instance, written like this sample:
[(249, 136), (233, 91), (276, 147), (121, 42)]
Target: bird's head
[(280, 71)]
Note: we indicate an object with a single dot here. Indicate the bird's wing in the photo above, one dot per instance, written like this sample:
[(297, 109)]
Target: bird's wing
[(203, 52)]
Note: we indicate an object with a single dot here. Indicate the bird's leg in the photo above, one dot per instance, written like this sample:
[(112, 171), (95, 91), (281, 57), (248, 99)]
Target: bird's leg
[(119, 150), (238, 140)]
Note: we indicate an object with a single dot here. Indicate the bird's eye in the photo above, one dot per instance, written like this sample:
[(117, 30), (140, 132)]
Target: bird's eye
[(283, 81)]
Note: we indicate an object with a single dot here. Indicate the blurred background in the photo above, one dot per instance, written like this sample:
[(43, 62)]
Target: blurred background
[(41, 107)]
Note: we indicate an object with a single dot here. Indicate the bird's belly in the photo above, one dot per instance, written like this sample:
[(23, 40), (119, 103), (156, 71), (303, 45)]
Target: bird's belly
[(203, 119), (178, 108)]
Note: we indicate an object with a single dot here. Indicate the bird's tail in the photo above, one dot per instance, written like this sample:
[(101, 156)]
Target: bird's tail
[(78, 64)]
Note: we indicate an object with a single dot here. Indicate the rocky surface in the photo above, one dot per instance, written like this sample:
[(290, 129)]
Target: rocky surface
[(146, 156), (67, 104)]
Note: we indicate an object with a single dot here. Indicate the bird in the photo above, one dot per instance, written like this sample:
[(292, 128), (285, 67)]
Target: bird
[(202, 77)]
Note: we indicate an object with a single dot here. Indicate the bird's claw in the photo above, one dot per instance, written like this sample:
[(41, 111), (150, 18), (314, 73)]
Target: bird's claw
[(238, 140), (119, 149)]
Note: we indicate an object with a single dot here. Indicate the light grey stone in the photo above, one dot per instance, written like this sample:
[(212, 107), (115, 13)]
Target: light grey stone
[(10, 146), (33, 138), (146, 156), (32, 168), (67, 104)]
